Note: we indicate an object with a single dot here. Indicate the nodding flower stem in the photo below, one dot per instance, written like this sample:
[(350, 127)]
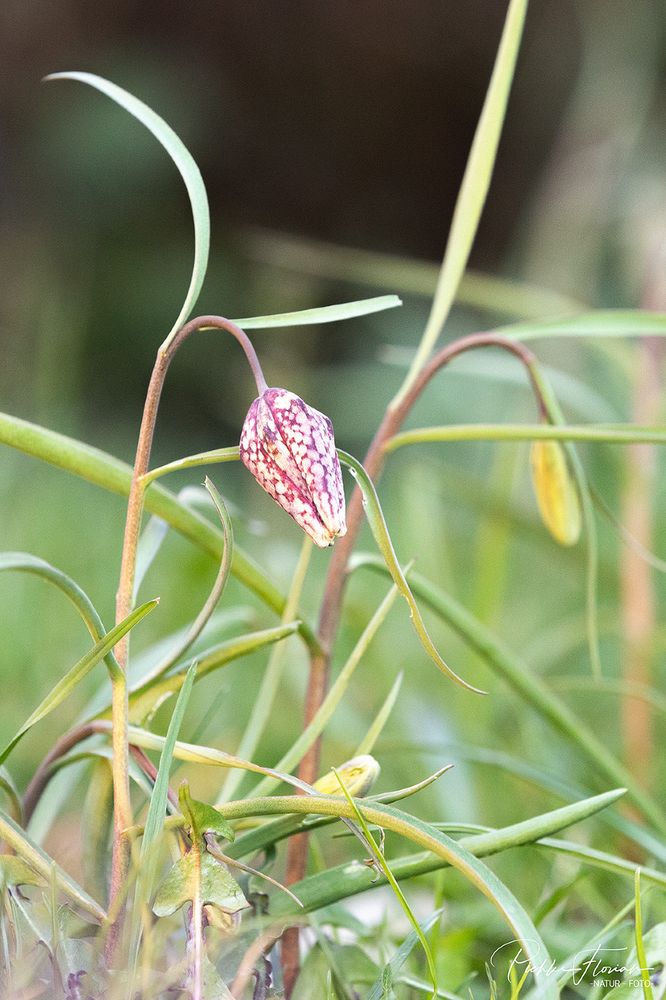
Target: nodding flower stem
[(329, 614), (124, 596)]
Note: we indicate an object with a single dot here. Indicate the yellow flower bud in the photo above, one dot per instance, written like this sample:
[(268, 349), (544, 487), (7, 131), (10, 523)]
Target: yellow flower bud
[(556, 492), (358, 774)]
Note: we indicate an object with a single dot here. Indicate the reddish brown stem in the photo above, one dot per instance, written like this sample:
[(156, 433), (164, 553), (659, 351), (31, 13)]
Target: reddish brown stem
[(335, 582)]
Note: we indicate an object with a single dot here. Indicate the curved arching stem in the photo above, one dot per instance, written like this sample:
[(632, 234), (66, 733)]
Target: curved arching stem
[(329, 616), (122, 813)]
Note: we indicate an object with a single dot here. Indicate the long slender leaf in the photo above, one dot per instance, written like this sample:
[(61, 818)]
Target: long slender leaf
[(322, 314), (393, 967), (66, 684), (599, 323), (608, 434), (383, 539), (402, 899), (377, 727), (187, 168), (343, 881), (474, 187), (155, 818)]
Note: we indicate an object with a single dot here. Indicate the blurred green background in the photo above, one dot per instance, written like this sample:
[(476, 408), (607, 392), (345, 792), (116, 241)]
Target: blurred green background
[(350, 124)]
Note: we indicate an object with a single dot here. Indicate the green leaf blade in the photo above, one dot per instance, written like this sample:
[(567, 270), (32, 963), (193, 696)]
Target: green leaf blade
[(186, 166)]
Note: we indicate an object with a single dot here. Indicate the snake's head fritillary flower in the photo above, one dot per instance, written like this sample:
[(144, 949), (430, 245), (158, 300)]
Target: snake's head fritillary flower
[(289, 448)]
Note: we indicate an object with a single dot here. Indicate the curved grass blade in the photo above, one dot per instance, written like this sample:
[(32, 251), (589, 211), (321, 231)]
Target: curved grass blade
[(192, 461), (40, 862), (187, 168), (530, 687), (67, 683), (343, 881), (24, 562), (432, 841), (383, 539), (384, 866), (474, 188), (322, 314), (101, 469)]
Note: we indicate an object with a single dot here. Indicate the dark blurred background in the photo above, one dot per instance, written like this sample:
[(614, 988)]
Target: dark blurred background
[(343, 122)]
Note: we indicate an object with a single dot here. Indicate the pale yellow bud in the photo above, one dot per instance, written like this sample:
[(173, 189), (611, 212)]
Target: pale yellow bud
[(358, 774), (556, 492)]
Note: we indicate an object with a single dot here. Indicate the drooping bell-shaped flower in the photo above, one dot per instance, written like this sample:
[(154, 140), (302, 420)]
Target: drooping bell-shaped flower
[(289, 448)]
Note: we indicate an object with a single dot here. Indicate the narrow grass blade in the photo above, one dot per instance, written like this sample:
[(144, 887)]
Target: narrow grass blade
[(24, 562), (155, 818), (110, 473), (598, 323), (601, 859), (640, 945), (399, 894), (383, 539), (263, 704), (323, 314), (531, 688), (66, 684), (602, 433), (374, 732), (473, 189), (389, 974), (45, 866), (187, 168), (334, 696)]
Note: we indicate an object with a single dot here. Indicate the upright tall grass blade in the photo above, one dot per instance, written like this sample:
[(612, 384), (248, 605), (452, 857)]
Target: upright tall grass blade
[(322, 314), (474, 188), (383, 539), (187, 168), (390, 971), (66, 684), (148, 858), (399, 894)]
